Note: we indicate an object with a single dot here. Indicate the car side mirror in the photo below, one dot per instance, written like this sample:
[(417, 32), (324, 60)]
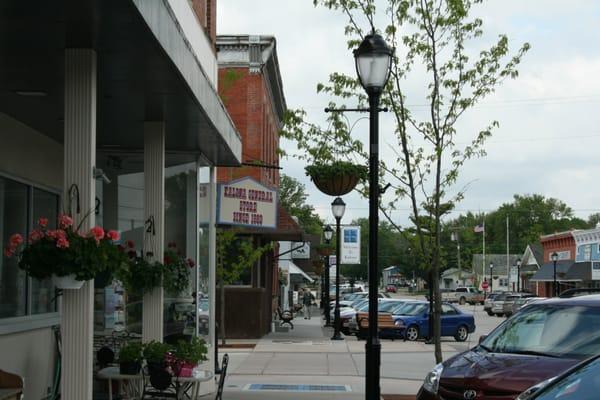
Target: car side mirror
[(482, 338)]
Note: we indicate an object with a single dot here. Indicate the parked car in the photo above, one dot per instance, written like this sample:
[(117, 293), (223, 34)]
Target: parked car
[(540, 341), (487, 304), (349, 321), (579, 292), (463, 295), (523, 301), (391, 289), (578, 383), (507, 307), (413, 318), (498, 304)]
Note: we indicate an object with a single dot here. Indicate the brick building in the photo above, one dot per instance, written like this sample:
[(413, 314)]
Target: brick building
[(250, 86)]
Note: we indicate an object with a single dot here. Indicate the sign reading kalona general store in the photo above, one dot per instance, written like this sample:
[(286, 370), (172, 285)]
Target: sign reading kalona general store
[(245, 202)]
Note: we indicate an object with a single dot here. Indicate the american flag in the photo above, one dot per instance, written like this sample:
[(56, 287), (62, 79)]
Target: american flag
[(479, 228)]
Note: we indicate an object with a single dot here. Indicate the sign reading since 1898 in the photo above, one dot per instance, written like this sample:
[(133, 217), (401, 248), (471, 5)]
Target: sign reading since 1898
[(248, 203)]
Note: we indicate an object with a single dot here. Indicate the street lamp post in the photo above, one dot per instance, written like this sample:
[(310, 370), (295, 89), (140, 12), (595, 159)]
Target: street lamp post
[(554, 258), (491, 277), (373, 59), (518, 275), (328, 234), (337, 208)]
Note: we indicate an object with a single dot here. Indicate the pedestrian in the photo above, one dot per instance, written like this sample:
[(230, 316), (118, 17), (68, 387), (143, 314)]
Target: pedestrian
[(307, 302)]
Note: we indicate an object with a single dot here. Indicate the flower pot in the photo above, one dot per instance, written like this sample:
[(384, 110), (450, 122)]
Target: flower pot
[(67, 282), (129, 367), (186, 369), (336, 186)]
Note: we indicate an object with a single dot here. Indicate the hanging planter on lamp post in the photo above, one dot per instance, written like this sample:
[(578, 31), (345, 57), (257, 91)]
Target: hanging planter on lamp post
[(336, 178)]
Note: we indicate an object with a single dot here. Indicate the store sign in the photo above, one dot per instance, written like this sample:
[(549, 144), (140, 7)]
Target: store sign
[(301, 250), (246, 202), (350, 246), (596, 271)]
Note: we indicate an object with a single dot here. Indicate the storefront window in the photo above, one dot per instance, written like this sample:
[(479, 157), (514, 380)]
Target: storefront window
[(13, 219)]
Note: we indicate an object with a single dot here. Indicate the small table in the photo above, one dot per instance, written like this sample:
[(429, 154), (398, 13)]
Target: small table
[(10, 394), (133, 385)]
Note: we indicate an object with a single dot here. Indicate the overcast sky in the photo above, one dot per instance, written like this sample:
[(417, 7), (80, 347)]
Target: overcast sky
[(549, 133)]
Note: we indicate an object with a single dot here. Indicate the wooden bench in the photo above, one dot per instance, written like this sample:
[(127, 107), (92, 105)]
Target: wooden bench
[(384, 321), (11, 386)]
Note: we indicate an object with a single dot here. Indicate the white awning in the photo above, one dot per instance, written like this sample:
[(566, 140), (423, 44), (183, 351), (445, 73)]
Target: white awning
[(293, 269)]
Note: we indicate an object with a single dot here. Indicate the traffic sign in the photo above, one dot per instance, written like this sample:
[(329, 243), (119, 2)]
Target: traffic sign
[(485, 285)]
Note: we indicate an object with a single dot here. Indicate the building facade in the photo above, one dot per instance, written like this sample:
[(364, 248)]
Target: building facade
[(251, 88), (109, 111)]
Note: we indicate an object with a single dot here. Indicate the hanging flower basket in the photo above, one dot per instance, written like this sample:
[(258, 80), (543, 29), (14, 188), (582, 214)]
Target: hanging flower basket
[(325, 251), (337, 178)]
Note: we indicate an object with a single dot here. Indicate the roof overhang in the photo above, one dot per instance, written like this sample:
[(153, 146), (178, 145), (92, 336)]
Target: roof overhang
[(293, 269), (147, 70)]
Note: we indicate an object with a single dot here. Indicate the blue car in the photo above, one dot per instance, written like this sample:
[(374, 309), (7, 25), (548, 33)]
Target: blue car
[(412, 319)]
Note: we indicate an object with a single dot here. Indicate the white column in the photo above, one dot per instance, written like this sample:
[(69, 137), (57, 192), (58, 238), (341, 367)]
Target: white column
[(212, 257), (154, 209), (79, 159)]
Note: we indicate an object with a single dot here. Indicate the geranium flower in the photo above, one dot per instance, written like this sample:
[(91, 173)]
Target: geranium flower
[(190, 263), (97, 232), (35, 235), (130, 244), (8, 252), (113, 235), (16, 240), (43, 222), (62, 243), (64, 221)]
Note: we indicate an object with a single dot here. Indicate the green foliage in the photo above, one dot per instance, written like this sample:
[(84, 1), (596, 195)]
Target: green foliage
[(192, 352), (131, 352), (235, 254), (176, 273), (335, 169), (155, 351), (292, 197)]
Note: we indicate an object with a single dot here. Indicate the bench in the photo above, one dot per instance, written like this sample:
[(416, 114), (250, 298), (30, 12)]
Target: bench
[(384, 321)]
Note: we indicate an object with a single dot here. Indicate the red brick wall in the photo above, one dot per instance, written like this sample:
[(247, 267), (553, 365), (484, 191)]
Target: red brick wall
[(206, 11), (246, 98), (560, 243)]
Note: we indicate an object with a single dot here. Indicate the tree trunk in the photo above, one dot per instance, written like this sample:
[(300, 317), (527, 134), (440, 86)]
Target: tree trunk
[(222, 312)]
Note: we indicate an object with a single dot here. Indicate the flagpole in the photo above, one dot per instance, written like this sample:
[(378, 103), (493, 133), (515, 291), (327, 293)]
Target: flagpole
[(507, 251), (483, 259)]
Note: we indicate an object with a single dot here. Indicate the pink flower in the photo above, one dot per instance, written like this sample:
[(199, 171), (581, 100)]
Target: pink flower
[(8, 252), (190, 263), (113, 235), (57, 234), (62, 243), (97, 232), (130, 244), (16, 240), (43, 222), (35, 235), (64, 221)]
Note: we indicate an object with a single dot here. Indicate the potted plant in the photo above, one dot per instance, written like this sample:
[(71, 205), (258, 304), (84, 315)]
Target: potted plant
[(155, 354), (176, 272), (140, 276), (130, 358), (187, 355), (67, 255), (336, 178)]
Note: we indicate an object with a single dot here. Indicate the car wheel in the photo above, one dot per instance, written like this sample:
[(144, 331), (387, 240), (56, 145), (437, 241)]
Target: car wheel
[(462, 333), (462, 301), (490, 313), (412, 333)]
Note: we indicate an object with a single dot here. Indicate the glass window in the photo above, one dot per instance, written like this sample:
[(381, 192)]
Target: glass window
[(45, 205), (448, 310), (14, 213), (582, 384)]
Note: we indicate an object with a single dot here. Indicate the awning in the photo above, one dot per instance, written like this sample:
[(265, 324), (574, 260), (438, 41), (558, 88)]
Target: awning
[(293, 269), (566, 271)]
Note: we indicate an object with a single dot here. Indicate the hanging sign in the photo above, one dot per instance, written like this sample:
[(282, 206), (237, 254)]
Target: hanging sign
[(350, 246), (301, 250), (246, 202)]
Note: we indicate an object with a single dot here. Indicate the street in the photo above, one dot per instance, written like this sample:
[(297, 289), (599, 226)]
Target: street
[(306, 356)]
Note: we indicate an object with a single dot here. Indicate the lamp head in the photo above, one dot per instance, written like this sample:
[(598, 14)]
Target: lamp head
[(554, 256), (328, 233), (518, 262), (338, 207), (373, 60)]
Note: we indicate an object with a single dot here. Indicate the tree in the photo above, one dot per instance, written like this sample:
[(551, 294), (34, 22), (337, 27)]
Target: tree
[(432, 39), (235, 255), (292, 195)]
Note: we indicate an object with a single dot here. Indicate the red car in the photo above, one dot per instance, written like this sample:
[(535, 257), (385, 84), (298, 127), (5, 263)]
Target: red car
[(539, 342), (391, 289)]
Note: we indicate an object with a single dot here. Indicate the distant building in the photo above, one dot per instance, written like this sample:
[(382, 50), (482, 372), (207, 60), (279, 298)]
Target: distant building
[(499, 274), (531, 261), (391, 276), (453, 278)]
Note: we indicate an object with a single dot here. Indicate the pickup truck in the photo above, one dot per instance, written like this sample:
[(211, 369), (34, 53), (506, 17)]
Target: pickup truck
[(463, 295)]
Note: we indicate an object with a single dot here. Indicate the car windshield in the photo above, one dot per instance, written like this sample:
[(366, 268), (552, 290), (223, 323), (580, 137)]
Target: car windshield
[(363, 306), (387, 306), (549, 329), (581, 384), (411, 309)]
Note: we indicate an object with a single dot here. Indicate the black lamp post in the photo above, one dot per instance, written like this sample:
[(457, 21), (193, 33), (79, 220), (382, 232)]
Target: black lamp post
[(327, 234), (373, 59), (518, 275), (491, 277), (337, 208), (554, 258)]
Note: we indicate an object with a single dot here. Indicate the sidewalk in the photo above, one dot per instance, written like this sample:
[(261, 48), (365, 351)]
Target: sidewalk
[(305, 364)]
